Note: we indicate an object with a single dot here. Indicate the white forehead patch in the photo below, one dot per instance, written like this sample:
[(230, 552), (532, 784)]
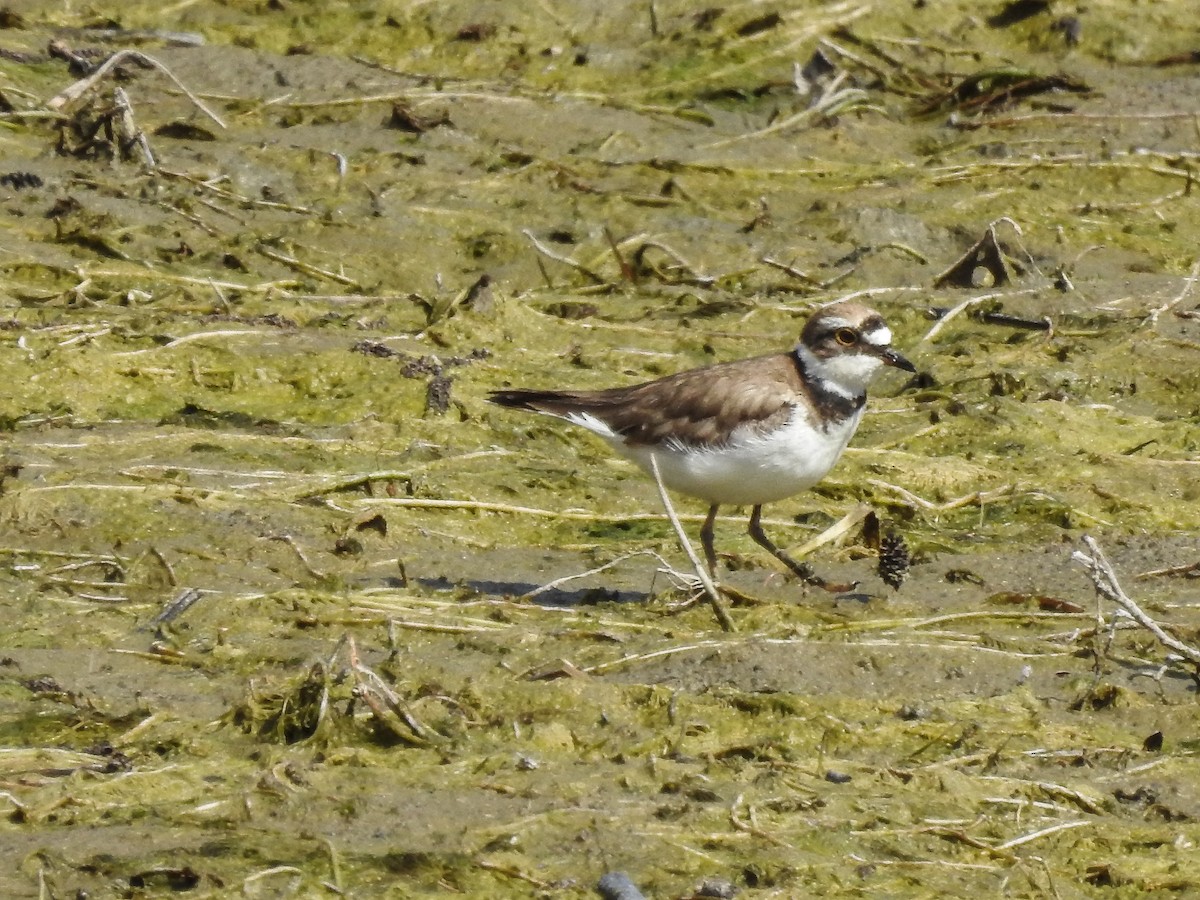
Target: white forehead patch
[(880, 337)]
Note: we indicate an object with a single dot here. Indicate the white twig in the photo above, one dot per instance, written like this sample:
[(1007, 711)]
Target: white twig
[(1041, 833), (979, 497), (565, 260), (966, 304), (567, 579), (838, 529), (1007, 220), (79, 88), (1105, 580), (1188, 284), (710, 589)]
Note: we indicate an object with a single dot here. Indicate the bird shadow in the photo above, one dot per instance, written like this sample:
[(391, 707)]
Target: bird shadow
[(595, 595), (556, 598)]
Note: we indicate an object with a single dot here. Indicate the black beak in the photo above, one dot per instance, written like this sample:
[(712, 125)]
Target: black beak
[(891, 357)]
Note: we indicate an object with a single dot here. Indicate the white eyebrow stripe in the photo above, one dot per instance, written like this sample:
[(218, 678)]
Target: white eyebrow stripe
[(880, 337), (838, 322)]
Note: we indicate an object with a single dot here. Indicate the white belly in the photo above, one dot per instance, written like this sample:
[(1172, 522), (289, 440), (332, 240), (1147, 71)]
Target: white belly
[(750, 469)]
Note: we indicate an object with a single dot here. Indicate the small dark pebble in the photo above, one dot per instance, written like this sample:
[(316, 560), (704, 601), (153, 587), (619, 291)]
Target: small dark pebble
[(761, 24), (64, 206), (404, 119), (618, 886), (347, 546), (837, 777), (43, 684), (437, 395), (1071, 29), (184, 879), (376, 523), (479, 296), (420, 366), (1017, 11), (1142, 795), (963, 576), (374, 348), (115, 760), (184, 131), (475, 32), (717, 887), (272, 320)]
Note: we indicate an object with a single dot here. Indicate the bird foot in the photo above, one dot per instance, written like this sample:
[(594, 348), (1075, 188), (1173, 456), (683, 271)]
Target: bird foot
[(805, 573)]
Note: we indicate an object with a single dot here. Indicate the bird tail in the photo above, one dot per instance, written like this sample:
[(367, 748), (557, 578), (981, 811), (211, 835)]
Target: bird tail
[(533, 401)]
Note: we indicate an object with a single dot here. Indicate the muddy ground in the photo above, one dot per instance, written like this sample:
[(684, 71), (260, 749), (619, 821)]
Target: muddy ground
[(288, 607)]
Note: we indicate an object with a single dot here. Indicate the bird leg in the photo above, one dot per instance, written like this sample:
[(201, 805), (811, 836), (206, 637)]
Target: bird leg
[(710, 589), (706, 540), (803, 571)]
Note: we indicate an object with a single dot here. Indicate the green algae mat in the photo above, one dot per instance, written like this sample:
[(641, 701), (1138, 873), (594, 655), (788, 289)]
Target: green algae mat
[(291, 611)]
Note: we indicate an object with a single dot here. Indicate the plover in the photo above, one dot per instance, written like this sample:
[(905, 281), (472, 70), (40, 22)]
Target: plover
[(746, 432)]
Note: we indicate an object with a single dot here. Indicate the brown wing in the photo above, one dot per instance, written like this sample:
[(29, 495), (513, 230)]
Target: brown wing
[(697, 407)]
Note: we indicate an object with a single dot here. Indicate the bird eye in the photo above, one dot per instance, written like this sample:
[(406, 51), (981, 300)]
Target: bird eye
[(846, 336)]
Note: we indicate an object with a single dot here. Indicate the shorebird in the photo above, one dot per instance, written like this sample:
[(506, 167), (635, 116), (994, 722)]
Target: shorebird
[(746, 432)]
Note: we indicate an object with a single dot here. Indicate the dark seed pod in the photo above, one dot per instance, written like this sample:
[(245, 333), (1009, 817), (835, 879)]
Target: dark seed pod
[(893, 560)]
